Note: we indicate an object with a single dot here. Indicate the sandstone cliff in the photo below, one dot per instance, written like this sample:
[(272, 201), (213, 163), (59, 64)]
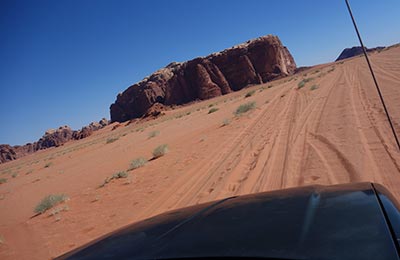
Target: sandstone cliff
[(51, 138), (254, 62)]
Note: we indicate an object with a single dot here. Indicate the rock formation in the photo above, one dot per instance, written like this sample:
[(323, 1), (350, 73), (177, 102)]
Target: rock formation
[(354, 51), (51, 138), (254, 62)]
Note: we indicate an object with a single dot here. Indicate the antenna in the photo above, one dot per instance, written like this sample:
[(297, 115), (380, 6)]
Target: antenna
[(373, 76)]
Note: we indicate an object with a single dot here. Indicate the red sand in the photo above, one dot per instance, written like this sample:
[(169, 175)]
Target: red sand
[(334, 134)]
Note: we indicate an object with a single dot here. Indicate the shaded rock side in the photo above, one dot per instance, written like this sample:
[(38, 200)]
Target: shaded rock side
[(354, 51), (254, 62)]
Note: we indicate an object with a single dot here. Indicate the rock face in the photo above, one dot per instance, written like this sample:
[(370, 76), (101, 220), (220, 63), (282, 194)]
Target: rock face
[(254, 62), (51, 138), (354, 51)]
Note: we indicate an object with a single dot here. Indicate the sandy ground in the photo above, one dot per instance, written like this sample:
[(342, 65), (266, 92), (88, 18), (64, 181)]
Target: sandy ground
[(336, 133)]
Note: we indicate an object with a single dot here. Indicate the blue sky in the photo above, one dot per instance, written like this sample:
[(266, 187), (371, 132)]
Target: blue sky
[(64, 62)]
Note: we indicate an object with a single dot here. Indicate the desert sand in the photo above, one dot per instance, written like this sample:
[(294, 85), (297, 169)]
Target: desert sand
[(333, 130)]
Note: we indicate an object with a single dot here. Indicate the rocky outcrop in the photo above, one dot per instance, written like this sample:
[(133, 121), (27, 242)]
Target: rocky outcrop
[(254, 62), (51, 138), (354, 51)]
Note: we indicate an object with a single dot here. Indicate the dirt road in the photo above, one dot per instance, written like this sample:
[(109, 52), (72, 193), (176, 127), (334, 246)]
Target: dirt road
[(332, 130)]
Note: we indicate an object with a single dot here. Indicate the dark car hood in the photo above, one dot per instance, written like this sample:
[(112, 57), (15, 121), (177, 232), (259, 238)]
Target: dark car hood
[(315, 222)]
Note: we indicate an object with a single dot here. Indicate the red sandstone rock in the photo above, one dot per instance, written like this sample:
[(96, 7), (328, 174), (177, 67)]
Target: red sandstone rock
[(254, 62)]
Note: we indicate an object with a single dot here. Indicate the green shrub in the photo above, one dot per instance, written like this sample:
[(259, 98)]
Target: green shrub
[(244, 108), (154, 133), (212, 110), (301, 84), (3, 180), (49, 201), (112, 140), (211, 105), (250, 93), (137, 163), (160, 150), (313, 87)]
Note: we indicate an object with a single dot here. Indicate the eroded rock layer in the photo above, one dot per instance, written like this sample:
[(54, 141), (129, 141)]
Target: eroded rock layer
[(254, 62)]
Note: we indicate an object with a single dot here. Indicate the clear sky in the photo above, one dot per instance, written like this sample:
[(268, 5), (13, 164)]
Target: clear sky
[(63, 62)]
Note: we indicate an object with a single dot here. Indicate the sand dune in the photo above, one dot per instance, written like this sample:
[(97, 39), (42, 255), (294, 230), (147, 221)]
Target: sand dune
[(333, 130)]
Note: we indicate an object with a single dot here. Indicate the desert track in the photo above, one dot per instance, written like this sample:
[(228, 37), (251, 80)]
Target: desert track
[(336, 133)]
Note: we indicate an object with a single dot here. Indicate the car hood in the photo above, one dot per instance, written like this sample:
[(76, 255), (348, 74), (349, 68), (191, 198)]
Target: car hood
[(314, 222)]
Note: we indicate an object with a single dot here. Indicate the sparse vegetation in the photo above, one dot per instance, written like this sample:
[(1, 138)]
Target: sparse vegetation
[(331, 69), (245, 108), (226, 122), (57, 210), (313, 87), (117, 175), (137, 163), (49, 201), (303, 82), (212, 110), (160, 150), (112, 140), (3, 180), (270, 86), (211, 105), (47, 165), (14, 175), (250, 93), (154, 133)]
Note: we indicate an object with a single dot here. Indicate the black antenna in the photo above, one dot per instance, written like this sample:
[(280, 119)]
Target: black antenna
[(373, 75)]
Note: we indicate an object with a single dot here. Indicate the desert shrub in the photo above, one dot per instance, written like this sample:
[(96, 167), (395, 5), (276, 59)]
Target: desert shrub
[(160, 150), (270, 86), (250, 93), (301, 84), (14, 175), (47, 165), (117, 175), (226, 122), (137, 163), (3, 180), (57, 210), (49, 201), (154, 133), (112, 140), (313, 87), (244, 108), (210, 105), (212, 110)]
